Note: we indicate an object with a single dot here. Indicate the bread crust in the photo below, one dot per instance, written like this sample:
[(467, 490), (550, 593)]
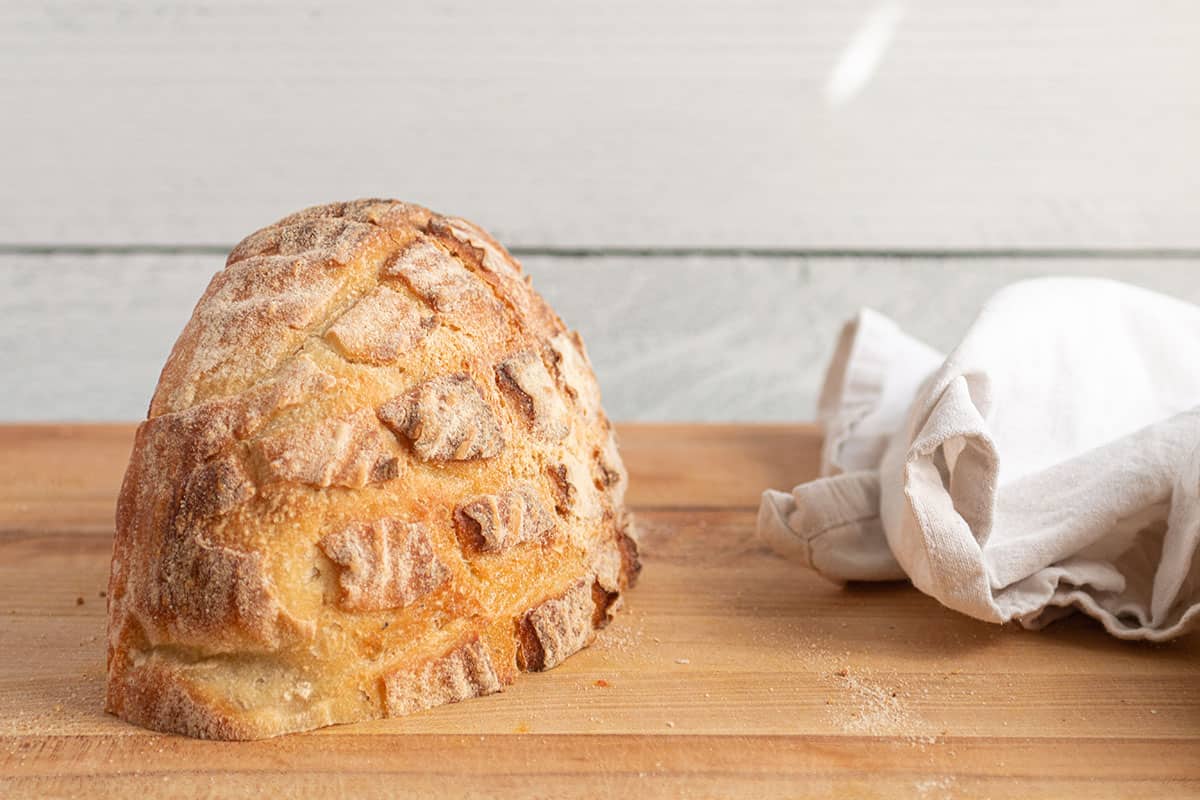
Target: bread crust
[(375, 477)]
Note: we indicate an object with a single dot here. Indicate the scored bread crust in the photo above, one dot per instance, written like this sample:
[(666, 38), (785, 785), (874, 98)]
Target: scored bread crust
[(375, 477)]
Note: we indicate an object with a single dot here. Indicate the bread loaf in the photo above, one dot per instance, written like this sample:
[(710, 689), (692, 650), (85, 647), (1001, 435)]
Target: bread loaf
[(375, 477)]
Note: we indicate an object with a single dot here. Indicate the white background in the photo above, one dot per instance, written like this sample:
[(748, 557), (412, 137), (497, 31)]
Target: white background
[(704, 189)]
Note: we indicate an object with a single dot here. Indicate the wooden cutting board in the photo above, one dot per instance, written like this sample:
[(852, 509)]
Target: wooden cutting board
[(732, 673)]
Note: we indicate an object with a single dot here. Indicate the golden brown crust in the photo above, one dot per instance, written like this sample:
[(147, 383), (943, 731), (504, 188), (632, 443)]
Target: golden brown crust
[(350, 451), (527, 382), (441, 280), (573, 371), (494, 523), (445, 419), (375, 477), (462, 672), (158, 696), (385, 564), (380, 327), (560, 626), (574, 488)]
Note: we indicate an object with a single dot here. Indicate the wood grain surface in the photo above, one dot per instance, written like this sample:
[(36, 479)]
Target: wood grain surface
[(731, 674), (876, 124)]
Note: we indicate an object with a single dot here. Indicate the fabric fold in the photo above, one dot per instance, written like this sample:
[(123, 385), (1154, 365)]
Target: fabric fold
[(875, 370), (1050, 463), (832, 526)]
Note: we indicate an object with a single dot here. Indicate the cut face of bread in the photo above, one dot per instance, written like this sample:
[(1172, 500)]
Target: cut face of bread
[(375, 478)]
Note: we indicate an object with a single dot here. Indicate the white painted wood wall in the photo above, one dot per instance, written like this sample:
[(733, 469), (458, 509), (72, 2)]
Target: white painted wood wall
[(705, 189)]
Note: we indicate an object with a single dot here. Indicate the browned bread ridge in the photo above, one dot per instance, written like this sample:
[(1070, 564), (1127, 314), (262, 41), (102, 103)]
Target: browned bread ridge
[(375, 477)]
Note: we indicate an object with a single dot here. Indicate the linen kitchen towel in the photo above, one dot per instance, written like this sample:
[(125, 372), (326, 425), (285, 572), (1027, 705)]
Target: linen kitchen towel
[(1050, 462)]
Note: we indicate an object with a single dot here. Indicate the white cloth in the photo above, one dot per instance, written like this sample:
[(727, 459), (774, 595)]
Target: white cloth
[(1051, 462)]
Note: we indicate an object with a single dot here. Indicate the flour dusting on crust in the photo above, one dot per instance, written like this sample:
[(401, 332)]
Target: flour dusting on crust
[(375, 478)]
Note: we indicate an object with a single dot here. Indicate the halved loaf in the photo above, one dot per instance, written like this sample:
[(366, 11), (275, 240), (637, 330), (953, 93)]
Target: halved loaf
[(375, 477)]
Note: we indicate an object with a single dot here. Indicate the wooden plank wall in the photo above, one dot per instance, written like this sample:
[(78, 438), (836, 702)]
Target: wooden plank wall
[(705, 189)]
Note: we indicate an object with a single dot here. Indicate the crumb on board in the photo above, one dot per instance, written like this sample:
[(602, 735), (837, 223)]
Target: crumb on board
[(880, 710), (861, 701), (624, 635), (935, 787)]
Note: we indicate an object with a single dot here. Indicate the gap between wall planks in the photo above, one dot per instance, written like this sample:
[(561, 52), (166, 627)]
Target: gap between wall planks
[(676, 124), (730, 672)]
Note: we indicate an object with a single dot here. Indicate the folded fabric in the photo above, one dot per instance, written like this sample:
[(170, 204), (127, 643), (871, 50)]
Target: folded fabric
[(1050, 463)]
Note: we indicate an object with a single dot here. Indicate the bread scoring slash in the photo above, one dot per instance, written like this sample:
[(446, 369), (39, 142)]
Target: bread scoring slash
[(375, 477)]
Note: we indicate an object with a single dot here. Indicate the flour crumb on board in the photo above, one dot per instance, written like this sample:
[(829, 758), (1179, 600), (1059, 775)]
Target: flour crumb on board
[(624, 635), (935, 788), (863, 702), (879, 709), (74, 699)]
